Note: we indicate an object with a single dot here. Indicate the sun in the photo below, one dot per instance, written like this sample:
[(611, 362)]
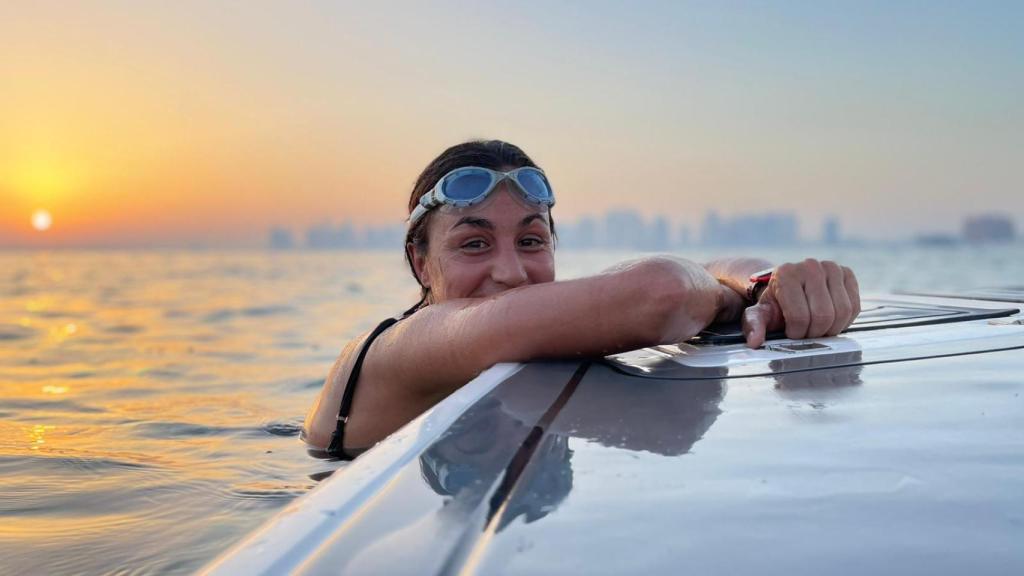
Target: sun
[(41, 220)]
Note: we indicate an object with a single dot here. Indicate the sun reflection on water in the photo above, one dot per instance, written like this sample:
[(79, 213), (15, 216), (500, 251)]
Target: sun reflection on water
[(36, 435)]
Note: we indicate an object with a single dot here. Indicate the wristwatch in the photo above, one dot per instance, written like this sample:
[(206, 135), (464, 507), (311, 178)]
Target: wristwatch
[(758, 282)]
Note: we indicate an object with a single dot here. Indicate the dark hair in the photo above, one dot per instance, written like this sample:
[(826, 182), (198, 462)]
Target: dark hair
[(493, 154)]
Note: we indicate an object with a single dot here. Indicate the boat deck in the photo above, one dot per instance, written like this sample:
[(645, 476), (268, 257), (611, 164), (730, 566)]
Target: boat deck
[(893, 450)]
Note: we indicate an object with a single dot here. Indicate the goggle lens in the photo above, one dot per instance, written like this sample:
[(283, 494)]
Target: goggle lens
[(534, 183), (467, 184)]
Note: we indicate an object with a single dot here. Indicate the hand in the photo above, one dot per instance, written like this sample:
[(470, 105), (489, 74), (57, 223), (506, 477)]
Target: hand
[(809, 299)]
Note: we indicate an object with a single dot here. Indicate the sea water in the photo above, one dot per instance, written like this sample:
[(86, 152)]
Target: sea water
[(151, 401)]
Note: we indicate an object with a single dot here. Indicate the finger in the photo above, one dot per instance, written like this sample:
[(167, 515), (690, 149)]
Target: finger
[(770, 311), (853, 292), (755, 325), (818, 299), (840, 299), (792, 301)]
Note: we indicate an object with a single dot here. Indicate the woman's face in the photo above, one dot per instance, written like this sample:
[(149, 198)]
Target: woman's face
[(478, 251)]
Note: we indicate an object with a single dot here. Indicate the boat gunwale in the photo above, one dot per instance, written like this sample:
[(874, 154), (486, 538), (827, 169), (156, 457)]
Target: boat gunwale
[(290, 538)]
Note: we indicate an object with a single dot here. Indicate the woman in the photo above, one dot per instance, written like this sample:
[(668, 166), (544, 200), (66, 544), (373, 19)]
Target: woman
[(481, 245)]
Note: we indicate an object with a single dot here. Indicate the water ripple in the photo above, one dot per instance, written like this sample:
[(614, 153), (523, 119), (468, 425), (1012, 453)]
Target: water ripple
[(16, 332), (12, 465), (161, 373), (269, 491), (311, 384), (163, 430), (124, 329), (278, 428), (225, 314), (51, 405), (259, 311)]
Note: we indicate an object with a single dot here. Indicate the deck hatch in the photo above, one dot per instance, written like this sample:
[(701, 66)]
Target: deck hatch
[(992, 294), (875, 315)]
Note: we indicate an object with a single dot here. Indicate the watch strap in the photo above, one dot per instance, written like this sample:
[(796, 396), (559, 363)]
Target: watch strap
[(758, 282)]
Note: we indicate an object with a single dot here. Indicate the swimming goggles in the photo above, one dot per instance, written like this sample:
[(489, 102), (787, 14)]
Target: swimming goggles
[(471, 185)]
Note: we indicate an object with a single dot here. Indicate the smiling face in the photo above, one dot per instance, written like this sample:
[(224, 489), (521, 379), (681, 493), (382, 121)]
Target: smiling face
[(478, 251)]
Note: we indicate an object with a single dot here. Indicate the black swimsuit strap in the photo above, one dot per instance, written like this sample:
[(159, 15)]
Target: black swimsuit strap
[(338, 438)]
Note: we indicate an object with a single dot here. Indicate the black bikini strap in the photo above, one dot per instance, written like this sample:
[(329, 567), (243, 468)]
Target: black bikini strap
[(338, 438)]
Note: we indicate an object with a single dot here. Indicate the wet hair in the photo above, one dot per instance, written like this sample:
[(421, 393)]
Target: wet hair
[(493, 154)]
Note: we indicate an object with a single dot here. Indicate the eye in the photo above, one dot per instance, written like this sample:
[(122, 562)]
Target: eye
[(475, 244), (532, 242)]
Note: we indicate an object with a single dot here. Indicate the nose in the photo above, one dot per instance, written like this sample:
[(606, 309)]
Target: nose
[(507, 268)]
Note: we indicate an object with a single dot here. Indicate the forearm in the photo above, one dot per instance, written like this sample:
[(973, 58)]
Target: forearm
[(635, 304)]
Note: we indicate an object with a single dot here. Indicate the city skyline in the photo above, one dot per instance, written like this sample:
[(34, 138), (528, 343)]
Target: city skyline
[(191, 124), (633, 231)]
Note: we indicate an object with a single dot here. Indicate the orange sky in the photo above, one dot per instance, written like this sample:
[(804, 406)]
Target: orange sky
[(147, 124)]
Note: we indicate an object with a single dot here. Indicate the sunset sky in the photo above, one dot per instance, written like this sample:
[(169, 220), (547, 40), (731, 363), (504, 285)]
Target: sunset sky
[(183, 123)]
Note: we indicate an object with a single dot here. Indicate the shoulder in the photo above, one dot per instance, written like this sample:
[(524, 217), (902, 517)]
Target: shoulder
[(356, 352), (384, 377), (322, 418)]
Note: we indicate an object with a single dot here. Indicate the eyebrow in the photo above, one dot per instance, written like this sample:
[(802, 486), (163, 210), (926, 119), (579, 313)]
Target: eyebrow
[(472, 221), (526, 221), (488, 225)]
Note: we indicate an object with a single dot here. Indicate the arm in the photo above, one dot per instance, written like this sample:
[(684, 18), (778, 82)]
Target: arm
[(424, 358)]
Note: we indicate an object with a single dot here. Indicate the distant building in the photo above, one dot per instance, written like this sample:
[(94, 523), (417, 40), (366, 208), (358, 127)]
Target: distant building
[(325, 236), (617, 230), (581, 234), (281, 239), (586, 232), (345, 237), (658, 237), (384, 237), (768, 229), (830, 231), (624, 229), (711, 231), (683, 236), (988, 228)]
